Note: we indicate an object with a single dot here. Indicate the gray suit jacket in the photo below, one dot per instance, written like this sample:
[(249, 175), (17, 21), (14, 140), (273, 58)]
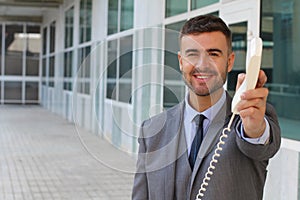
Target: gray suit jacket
[(163, 170)]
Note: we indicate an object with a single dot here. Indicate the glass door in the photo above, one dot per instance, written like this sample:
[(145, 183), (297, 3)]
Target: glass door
[(244, 21)]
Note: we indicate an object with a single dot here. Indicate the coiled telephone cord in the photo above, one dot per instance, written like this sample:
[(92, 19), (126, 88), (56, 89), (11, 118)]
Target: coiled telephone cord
[(214, 160)]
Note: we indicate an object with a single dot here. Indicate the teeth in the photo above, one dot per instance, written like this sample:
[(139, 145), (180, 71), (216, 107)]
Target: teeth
[(202, 77)]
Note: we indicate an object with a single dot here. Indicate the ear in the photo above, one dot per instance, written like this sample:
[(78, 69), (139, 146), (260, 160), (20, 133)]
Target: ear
[(179, 60), (230, 61)]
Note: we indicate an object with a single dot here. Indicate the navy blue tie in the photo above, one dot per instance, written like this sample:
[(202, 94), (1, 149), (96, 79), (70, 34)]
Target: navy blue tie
[(197, 141)]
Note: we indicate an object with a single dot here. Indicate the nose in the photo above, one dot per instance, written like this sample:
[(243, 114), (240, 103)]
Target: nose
[(203, 60)]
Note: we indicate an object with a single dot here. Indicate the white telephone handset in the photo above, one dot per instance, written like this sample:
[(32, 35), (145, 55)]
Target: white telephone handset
[(252, 72)]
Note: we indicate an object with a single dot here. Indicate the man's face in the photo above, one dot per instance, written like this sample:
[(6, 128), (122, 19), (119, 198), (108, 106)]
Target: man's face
[(204, 62)]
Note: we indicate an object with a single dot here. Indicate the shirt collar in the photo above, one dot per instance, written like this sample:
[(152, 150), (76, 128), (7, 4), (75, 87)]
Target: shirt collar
[(210, 113)]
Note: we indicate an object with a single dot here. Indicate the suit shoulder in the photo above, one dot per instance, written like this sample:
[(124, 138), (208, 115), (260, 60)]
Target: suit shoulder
[(166, 114)]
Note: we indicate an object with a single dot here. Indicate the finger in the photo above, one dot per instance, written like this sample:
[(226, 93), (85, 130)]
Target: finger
[(248, 112), (257, 103), (240, 80), (255, 93), (262, 79)]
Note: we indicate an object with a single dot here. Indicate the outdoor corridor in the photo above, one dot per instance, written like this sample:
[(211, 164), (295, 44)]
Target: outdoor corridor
[(43, 157)]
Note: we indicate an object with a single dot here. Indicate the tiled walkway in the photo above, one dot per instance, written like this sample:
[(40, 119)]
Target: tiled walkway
[(42, 158)]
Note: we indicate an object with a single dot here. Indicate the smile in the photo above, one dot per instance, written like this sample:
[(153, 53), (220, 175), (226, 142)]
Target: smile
[(202, 77)]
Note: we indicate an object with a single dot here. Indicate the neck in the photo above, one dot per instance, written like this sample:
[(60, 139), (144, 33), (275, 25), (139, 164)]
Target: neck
[(202, 103)]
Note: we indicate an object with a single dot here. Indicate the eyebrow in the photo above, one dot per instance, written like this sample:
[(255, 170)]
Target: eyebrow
[(215, 50), (208, 50), (191, 50)]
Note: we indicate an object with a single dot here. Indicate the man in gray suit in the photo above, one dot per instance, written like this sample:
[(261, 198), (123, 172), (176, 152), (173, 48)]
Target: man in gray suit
[(164, 168)]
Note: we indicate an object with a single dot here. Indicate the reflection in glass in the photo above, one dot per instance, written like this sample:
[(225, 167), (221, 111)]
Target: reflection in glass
[(112, 59), (1, 50), (14, 47), (84, 62), (12, 92), (125, 92), (171, 49), (44, 40), (172, 74), (69, 26), (280, 33), (173, 94), (52, 37), (31, 91), (126, 14), (239, 47), (174, 7), (51, 70), (44, 71), (85, 21), (33, 49), (202, 3), (112, 17), (125, 57), (68, 58), (111, 90)]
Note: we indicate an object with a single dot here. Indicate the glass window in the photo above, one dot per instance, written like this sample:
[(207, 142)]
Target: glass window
[(174, 7), (120, 15), (112, 16), (84, 63), (52, 37), (171, 49), (51, 70), (126, 14), (14, 47), (68, 58), (33, 49), (125, 92), (280, 33), (68, 55), (12, 91), (111, 89), (202, 3), (173, 84), (0, 49), (112, 55), (239, 46), (85, 21), (125, 69), (69, 27), (32, 91), (44, 71), (125, 57), (119, 72), (44, 40)]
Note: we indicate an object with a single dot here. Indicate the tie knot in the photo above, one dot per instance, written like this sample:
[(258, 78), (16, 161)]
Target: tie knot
[(199, 119)]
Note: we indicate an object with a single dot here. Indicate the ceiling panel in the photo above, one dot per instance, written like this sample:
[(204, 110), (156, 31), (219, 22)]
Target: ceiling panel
[(26, 10)]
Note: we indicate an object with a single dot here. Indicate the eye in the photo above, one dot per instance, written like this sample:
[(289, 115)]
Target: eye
[(192, 55), (214, 54)]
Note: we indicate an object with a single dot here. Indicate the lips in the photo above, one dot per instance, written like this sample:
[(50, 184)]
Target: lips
[(202, 77)]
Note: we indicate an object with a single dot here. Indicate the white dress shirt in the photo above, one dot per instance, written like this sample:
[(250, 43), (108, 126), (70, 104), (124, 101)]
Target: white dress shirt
[(190, 123)]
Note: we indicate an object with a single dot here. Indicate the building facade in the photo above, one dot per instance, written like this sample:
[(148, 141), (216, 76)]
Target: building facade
[(108, 65)]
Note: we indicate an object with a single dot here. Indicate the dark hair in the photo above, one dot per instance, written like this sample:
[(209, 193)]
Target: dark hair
[(206, 23)]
